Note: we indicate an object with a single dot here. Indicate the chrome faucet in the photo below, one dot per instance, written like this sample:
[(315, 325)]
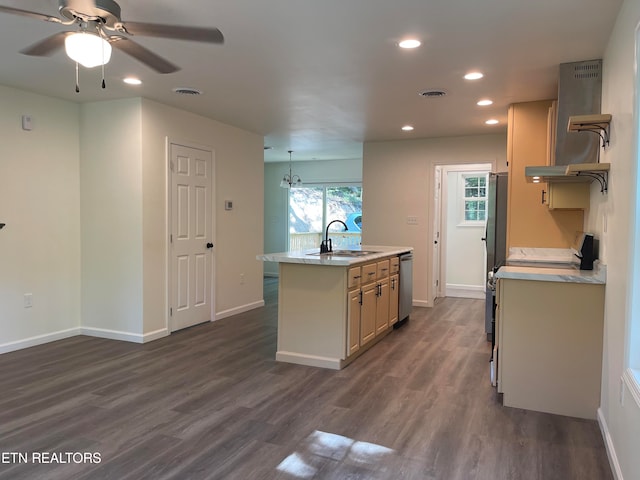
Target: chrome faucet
[(325, 246)]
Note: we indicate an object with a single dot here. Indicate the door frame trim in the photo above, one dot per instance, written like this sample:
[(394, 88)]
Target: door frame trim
[(168, 223), (446, 168)]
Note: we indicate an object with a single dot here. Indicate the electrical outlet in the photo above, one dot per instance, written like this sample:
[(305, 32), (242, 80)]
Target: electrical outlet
[(242, 279), (28, 300)]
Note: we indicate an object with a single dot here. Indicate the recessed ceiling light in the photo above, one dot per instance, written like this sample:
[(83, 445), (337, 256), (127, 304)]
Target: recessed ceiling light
[(132, 81), (485, 102), (407, 128), (410, 43), (492, 121), (473, 76)]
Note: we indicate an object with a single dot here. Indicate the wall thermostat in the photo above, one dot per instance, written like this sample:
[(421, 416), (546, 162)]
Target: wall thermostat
[(228, 204)]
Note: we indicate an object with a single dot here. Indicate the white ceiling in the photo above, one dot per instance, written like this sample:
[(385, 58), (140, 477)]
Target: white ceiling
[(321, 77)]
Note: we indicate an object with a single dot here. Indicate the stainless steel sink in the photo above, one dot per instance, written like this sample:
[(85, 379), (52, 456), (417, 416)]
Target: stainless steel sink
[(344, 253)]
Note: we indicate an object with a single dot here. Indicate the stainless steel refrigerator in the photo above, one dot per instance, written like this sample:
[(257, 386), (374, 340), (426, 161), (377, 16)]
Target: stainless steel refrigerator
[(495, 239)]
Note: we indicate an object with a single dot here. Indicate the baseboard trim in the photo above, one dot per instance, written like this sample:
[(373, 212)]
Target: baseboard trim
[(421, 303), (465, 291), (241, 309), (308, 360), (38, 340), (608, 443), (124, 336)]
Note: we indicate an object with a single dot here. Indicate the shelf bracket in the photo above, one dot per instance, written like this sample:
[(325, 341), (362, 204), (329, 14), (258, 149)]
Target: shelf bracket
[(598, 124), (601, 177)]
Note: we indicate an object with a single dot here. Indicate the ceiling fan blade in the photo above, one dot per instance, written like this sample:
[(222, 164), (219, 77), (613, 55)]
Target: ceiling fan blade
[(47, 46), (194, 34), (143, 54), (27, 13)]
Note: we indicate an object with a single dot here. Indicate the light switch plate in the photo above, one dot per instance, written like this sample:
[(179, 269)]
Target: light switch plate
[(228, 204), (27, 122)]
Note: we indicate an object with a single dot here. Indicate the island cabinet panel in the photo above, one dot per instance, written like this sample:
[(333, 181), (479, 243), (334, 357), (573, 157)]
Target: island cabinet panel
[(353, 326), (550, 346), (312, 315), (368, 313), (394, 298), (382, 307)]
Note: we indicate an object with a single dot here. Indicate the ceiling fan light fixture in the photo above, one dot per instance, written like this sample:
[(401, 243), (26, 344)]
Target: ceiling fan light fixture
[(87, 49)]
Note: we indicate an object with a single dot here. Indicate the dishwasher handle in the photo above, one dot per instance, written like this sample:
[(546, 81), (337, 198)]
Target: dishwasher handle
[(407, 257)]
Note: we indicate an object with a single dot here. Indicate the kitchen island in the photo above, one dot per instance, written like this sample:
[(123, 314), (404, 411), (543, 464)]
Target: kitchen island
[(549, 325), (334, 306)]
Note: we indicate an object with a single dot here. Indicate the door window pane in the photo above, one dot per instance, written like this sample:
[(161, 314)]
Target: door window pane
[(475, 198)]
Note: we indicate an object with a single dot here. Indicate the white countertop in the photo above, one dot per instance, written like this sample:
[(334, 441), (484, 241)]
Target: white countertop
[(568, 275), (311, 257)]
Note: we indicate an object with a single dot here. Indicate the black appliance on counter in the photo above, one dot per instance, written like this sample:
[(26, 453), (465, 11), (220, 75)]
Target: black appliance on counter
[(586, 247), (496, 242)]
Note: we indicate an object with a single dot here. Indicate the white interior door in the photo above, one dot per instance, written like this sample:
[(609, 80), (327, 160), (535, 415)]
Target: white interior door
[(191, 236), (437, 193)]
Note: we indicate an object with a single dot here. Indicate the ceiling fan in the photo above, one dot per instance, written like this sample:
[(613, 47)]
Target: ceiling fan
[(100, 19)]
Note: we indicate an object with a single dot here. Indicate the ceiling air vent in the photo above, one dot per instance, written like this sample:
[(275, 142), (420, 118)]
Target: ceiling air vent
[(432, 93), (187, 91)]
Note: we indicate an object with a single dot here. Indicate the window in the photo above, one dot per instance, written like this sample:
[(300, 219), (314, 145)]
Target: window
[(310, 209), (475, 198)]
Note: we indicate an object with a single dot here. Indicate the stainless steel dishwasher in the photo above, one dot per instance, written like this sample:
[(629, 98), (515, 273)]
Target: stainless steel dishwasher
[(406, 287)]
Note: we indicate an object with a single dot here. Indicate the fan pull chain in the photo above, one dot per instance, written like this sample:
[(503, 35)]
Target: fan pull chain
[(77, 80), (104, 85)]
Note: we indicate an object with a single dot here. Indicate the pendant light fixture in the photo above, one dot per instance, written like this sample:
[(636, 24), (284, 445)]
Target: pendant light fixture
[(289, 180)]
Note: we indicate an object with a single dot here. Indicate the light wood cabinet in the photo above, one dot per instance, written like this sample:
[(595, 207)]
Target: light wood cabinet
[(529, 222), (382, 306), (368, 313), (567, 195), (394, 297), (353, 323)]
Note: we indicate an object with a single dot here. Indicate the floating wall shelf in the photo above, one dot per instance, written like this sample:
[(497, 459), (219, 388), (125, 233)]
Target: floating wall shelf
[(598, 124)]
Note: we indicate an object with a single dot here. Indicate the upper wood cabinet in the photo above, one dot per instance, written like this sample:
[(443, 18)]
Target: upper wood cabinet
[(530, 223), (568, 195)]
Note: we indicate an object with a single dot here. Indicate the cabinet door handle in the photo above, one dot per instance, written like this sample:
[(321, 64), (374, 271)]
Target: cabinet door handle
[(360, 301), (543, 194), (355, 277)]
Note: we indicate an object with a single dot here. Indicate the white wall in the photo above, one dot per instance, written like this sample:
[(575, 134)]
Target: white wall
[(111, 208), (620, 421), (464, 250), (276, 198), (398, 182), (39, 202), (239, 176), (84, 199)]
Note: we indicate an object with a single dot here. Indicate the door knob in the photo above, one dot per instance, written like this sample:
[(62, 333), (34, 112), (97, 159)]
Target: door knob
[(209, 245)]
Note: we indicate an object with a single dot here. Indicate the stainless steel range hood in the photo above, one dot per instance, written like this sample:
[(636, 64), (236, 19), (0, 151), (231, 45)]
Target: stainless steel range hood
[(579, 93), (577, 149)]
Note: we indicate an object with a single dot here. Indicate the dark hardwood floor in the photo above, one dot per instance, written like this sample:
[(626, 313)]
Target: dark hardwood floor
[(210, 402)]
